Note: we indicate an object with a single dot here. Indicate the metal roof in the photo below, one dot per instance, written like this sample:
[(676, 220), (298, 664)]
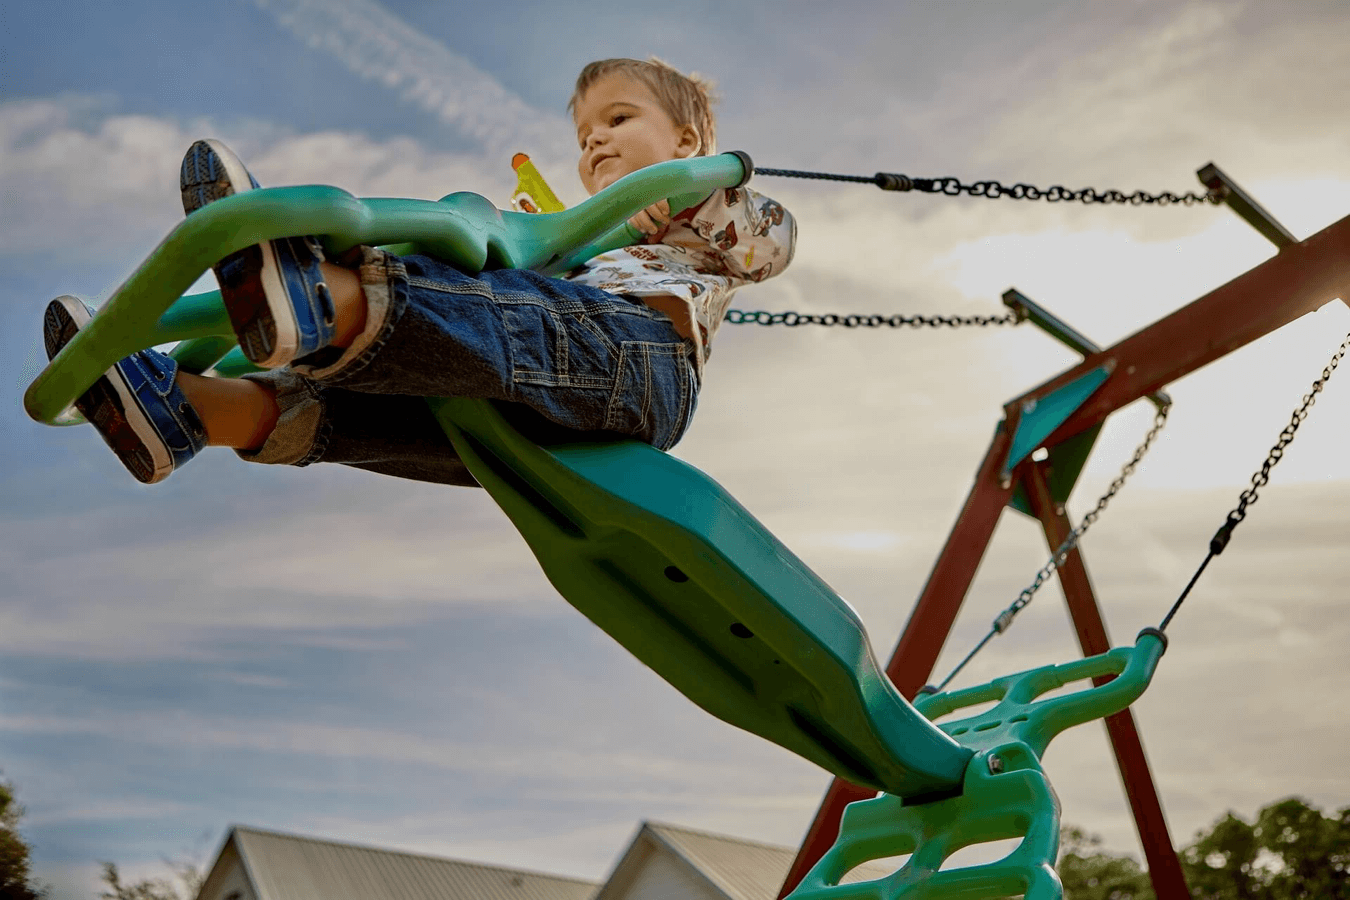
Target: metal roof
[(741, 869), (289, 867)]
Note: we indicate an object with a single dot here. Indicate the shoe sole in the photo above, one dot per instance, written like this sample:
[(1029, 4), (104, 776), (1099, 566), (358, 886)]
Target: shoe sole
[(211, 171), (105, 405)]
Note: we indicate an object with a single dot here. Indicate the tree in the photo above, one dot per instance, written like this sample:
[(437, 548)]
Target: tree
[(1090, 874), (15, 881), (1291, 852), (186, 874)]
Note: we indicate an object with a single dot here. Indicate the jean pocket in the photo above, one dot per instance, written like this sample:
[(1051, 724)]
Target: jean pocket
[(653, 395), (549, 349)]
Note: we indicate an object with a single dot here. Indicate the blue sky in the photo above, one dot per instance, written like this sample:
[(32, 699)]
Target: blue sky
[(337, 654)]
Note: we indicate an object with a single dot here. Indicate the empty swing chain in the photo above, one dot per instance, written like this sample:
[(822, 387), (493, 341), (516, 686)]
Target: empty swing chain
[(1261, 478), (952, 187), (1057, 558), (794, 319)]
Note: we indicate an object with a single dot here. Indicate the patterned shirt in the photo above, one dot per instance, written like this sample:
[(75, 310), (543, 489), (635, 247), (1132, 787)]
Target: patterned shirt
[(734, 237)]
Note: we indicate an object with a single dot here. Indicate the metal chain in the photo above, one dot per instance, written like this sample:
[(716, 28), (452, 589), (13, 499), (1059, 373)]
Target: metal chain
[(794, 319), (1262, 476), (1057, 558), (952, 187)]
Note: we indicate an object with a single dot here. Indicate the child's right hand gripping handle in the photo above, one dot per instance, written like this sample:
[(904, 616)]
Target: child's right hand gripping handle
[(725, 170)]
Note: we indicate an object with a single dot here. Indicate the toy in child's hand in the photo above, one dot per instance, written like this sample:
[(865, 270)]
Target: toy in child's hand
[(533, 195)]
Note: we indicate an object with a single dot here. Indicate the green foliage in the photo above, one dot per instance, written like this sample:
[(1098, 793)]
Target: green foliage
[(187, 876), (1291, 852), (1089, 874), (15, 881)]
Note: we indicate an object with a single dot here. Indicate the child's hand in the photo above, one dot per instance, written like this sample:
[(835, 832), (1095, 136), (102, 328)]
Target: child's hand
[(654, 220)]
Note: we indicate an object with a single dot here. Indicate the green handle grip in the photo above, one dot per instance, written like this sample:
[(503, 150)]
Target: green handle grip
[(463, 229)]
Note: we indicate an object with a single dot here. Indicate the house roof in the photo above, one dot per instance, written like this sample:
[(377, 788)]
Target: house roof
[(739, 868), (290, 867)]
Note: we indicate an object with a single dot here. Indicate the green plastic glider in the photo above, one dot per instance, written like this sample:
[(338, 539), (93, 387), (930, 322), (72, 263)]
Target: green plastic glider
[(660, 556)]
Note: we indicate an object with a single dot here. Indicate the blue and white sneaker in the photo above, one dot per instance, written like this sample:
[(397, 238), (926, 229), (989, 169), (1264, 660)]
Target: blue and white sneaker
[(278, 302), (135, 406)]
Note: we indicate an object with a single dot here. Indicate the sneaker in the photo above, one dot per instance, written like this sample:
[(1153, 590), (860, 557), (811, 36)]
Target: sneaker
[(135, 406), (277, 299)]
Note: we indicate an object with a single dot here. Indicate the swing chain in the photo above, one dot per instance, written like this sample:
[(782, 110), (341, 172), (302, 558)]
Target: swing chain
[(993, 190), (794, 319), (1262, 477), (1259, 480), (952, 187), (1057, 558)]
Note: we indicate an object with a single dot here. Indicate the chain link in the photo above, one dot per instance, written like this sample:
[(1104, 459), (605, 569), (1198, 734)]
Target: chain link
[(794, 319), (1057, 558), (1260, 479), (952, 187), (994, 190)]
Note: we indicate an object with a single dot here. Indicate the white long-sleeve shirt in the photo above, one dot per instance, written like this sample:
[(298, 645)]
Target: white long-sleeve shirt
[(735, 237)]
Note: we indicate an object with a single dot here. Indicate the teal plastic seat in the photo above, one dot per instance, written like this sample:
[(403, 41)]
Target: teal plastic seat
[(666, 562)]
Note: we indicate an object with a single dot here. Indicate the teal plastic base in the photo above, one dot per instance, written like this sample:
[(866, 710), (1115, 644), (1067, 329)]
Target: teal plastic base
[(1005, 793)]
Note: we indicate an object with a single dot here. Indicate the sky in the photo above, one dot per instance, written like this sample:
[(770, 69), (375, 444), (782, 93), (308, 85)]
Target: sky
[(342, 655)]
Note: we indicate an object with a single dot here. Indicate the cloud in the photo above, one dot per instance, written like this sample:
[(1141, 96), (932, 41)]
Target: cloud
[(388, 568), (75, 174), (1146, 97), (380, 47)]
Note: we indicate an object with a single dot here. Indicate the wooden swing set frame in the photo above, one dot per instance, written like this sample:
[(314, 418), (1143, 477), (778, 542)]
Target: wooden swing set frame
[(1301, 278)]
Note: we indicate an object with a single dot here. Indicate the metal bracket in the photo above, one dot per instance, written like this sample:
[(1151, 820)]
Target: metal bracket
[(1252, 212), (1043, 319), (1042, 415)]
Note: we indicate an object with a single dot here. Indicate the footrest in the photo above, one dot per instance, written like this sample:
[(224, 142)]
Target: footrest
[(1016, 801), (1005, 794), (666, 562)]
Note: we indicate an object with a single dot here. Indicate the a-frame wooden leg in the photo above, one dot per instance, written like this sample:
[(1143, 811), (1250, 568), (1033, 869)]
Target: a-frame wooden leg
[(1163, 866)]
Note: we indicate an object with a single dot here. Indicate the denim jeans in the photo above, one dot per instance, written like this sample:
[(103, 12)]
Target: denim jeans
[(561, 357)]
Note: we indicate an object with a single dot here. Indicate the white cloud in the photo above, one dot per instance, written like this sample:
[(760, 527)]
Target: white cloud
[(77, 176), (380, 47)]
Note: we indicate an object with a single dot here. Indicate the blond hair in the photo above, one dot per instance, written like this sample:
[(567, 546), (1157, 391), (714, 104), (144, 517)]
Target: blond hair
[(687, 99)]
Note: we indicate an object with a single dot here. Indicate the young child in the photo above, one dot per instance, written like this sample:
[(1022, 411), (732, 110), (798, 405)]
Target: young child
[(353, 344)]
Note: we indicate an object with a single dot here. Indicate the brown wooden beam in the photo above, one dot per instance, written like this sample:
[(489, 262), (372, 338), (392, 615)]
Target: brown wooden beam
[(1298, 280), (1164, 868), (935, 612)]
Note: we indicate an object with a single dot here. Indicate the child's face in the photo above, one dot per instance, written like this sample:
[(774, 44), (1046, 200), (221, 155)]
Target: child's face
[(622, 128)]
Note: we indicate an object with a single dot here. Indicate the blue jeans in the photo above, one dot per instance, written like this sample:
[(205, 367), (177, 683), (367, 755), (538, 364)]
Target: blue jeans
[(561, 357)]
